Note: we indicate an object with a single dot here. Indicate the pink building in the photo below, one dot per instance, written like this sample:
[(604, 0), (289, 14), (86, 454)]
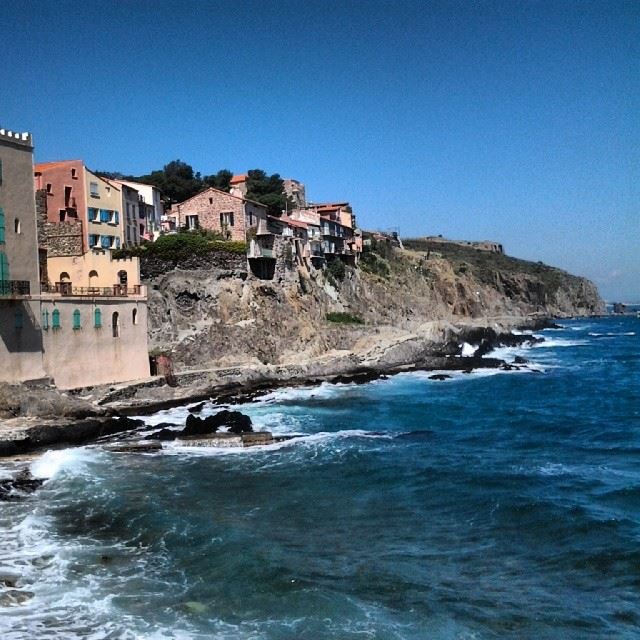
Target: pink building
[(216, 210)]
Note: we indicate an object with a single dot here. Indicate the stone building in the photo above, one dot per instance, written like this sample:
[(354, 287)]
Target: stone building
[(88, 325), (216, 210)]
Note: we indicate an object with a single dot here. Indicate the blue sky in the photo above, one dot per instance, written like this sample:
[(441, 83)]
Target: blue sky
[(513, 121)]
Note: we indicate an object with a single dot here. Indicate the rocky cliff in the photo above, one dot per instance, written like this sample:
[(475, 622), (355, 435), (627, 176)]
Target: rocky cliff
[(217, 314)]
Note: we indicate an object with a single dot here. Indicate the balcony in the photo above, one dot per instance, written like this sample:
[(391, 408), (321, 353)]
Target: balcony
[(15, 288), (117, 290)]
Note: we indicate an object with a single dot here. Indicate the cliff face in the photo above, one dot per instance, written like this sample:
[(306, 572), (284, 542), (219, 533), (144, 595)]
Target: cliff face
[(213, 316)]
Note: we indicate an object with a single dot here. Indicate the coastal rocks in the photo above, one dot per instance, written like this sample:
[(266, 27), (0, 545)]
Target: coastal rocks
[(14, 597), (17, 488), (439, 376), (236, 423)]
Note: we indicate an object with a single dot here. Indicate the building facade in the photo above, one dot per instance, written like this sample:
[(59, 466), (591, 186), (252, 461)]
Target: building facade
[(151, 204), (224, 213), (81, 321)]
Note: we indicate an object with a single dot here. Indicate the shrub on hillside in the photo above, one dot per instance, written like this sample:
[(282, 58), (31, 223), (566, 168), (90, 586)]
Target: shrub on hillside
[(342, 317)]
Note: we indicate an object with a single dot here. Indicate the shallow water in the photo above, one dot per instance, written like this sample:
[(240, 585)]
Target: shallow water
[(490, 505)]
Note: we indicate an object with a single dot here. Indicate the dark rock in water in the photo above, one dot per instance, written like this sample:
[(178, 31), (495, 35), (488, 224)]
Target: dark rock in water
[(134, 447), (520, 360), (9, 579), (14, 488), (235, 422), (164, 434), (467, 371), (509, 367), (439, 376), (197, 408), (14, 597)]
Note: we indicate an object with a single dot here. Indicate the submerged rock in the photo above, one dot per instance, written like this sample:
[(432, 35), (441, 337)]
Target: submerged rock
[(14, 597), (12, 489), (439, 376)]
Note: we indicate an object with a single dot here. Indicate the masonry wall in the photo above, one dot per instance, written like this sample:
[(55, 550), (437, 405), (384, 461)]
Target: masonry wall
[(89, 356), (63, 238), (208, 206)]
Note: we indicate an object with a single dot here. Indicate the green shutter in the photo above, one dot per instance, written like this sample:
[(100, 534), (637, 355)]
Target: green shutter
[(97, 317), (1, 224), (4, 273), (76, 319), (55, 319)]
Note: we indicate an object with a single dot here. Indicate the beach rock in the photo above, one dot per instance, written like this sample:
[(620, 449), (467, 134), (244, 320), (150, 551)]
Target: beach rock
[(520, 360), (235, 422), (439, 376), (15, 488), (164, 434), (14, 597)]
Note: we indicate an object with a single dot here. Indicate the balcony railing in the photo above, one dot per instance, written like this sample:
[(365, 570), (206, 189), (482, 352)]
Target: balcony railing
[(15, 288), (117, 290)]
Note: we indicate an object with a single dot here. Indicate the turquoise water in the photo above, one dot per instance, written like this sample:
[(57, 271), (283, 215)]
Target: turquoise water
[(490, 505)]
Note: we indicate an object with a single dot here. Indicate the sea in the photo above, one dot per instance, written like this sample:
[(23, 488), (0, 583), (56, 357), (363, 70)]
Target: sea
[(496, 504)]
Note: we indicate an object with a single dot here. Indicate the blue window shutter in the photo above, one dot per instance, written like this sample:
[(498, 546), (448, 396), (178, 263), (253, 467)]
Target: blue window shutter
[(117, 243), (116, 217), (4, 267)]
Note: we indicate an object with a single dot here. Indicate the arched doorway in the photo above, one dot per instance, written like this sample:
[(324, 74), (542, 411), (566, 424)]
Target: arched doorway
[(115, 324), (122, 277), (93, 279)]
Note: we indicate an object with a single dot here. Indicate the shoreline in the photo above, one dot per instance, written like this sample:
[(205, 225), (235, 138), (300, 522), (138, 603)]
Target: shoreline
[(436, 347)]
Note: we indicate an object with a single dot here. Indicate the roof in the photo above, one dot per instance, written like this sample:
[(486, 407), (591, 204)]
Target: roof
[(43, 166), (243, 177), (288, 221), (226, 193), (330, 206)]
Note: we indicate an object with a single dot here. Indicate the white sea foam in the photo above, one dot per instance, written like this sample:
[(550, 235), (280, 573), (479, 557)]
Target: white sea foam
[(72, 461), (550, 343), (468, 350)]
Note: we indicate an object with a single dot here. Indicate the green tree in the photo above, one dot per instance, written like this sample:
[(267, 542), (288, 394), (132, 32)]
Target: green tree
[(176, 180), (220, 180), (268, 190)]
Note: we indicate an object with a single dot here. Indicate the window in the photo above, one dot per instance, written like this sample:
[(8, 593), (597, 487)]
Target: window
[(250, 218), (226, 219), (67, 196), (76, 319), (93, 190), (1, 224), (210, 200), (105, 242), (55, 319), (63, 214), (116, 217), (4, 268), (94, 240), (64, 277), (105, 215), (74, 174), (93, 278), (108, 190), (18, 319), (134, 316), (93, 214), (115, 325), (49, 187), (97, 319), (16, 225), (117, 243), (45, 319), (192, 222), (122, 277)]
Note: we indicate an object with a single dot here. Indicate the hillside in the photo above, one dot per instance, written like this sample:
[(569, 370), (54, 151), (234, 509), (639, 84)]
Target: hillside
[(212, 312)]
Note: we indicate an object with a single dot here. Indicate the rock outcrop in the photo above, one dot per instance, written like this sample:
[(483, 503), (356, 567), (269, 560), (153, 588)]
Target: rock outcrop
[(217, 317)]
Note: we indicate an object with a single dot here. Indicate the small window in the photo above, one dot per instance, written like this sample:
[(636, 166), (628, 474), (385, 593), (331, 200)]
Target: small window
[(231, 218), (45, 319), (93, 189), (108, 190), (94, 240), (134, 316), (93, 214), (64, 277), (18, 319), (210, 200), (97, 319), (76, 319), (74, 174), (63, 214), (49, 187), (115, 324), (16, 225), (55, 319)]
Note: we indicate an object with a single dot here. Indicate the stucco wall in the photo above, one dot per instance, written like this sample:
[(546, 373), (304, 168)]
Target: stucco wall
[(60, 175), (17, 199), (208, 206), (89, 356), (108, 197), (20, 348), (80, 267)]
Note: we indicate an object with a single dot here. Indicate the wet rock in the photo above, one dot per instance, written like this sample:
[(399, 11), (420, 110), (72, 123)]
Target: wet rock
[(14, 597), (197, 408), (164, 434), (9, 578), (520, 360), (134, 447), (439, 376), (12, 489), (235, 422)]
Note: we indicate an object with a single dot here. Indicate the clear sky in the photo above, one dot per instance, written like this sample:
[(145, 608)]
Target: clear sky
[(512, 121)]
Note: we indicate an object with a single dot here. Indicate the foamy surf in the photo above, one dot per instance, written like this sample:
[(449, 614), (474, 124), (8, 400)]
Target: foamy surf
[(73, 461)]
